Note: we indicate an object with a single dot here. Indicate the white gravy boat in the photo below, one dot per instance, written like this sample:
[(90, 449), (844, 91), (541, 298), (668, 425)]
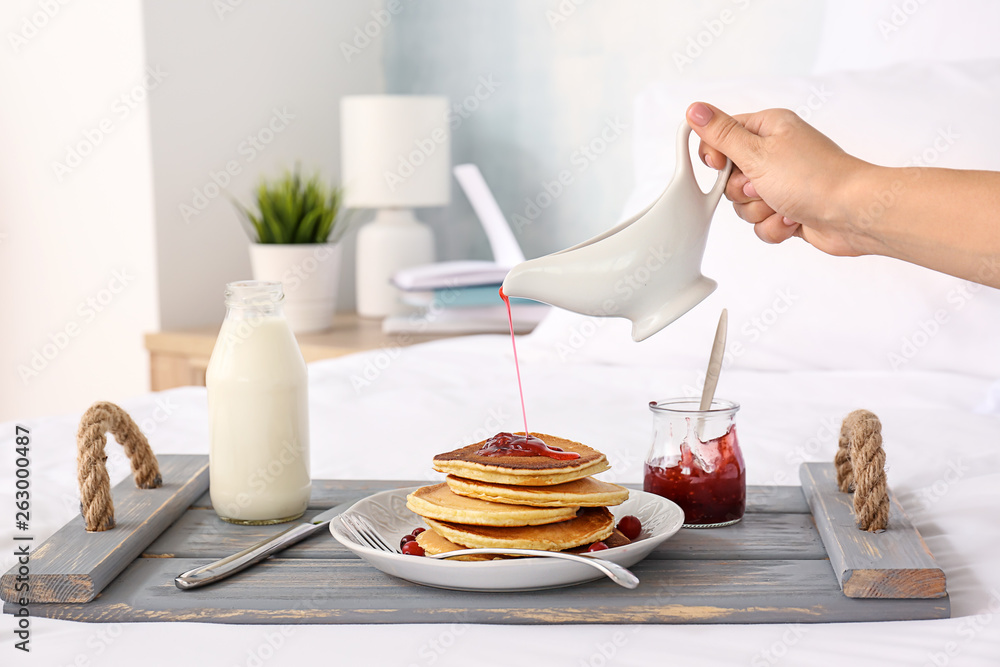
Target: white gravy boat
[(646, 269)]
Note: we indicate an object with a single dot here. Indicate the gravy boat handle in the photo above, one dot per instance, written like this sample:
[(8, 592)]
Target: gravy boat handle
[(684, 163)]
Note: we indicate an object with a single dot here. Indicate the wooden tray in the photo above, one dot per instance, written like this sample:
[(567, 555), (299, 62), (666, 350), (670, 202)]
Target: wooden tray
[(778, 565)]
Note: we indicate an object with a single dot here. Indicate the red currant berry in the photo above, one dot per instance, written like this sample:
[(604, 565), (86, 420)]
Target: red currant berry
[(630, 526), (597, 546), (405, 540), (417, 531), (413, 549)]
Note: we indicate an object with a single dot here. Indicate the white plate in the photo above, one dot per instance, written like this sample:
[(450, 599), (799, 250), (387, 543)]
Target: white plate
[(387, 510)]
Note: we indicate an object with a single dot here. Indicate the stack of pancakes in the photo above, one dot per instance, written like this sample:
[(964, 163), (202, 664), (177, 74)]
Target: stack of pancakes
[(522, 502)]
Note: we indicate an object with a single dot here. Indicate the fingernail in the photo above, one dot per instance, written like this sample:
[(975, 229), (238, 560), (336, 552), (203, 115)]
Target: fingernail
[(750, 191), (788, 221), (700, 114), (710, 162)]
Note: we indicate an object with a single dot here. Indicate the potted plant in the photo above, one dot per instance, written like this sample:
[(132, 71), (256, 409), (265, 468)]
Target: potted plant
[(295, 233)]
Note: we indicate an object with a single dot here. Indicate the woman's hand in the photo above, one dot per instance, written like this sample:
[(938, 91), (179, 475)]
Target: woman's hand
[(791, 180), (788, 178)]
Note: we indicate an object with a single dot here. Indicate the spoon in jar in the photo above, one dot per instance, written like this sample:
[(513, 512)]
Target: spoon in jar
[(714, 369)]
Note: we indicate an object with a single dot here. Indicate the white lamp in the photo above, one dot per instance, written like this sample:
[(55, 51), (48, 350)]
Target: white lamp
[(395, 155)]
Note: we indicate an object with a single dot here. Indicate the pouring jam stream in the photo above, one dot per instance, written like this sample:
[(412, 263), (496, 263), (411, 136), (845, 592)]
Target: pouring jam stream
[(516, 444)]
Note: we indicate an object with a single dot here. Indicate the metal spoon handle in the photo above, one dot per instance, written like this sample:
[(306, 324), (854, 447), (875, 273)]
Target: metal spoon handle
[(618, 574)]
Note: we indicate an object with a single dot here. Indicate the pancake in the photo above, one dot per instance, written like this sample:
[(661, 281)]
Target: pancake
[(435, 544), (438, 502), (586, 492), (591, 524), (523, 470)]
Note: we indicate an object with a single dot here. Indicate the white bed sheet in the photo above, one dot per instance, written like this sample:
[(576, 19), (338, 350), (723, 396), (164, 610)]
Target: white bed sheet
[(384, 414)]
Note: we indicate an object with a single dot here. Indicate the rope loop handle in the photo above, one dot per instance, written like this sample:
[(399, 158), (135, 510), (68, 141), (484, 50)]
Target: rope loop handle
[(92, 474), (860, 463)]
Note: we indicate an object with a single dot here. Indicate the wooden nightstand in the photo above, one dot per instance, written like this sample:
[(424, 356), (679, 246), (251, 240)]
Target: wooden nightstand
[(179, 358)]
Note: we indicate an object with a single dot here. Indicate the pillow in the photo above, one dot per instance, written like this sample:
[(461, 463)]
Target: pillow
[(792, 307), (867, 34)]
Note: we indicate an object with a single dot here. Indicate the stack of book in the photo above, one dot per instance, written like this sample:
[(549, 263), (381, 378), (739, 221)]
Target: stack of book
[(464, 296), (453, 307)]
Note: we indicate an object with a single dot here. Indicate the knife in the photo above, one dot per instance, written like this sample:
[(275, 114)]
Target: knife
[(220, 569)]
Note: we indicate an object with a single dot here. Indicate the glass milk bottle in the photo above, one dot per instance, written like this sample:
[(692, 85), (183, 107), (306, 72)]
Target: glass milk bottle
[(257, 411)]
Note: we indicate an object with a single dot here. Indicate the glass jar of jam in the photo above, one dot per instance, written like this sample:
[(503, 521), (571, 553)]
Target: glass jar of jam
[(696, 461)]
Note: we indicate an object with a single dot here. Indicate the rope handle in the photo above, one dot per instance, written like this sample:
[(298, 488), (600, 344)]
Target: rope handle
[(92, 474), (860, 463)]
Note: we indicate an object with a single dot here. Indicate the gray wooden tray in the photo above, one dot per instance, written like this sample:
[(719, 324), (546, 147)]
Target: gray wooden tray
[(775, 566)]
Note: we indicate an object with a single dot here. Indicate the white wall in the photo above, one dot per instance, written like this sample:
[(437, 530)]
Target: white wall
[(222, 74), (566, 77), (229, 72), (61, 241), (64, 239)]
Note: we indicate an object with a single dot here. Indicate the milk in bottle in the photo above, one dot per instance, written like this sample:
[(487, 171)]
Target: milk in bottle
[(257, 411)]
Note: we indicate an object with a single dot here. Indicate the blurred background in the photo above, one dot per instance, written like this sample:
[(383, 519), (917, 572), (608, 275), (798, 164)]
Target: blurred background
[(120, 122)]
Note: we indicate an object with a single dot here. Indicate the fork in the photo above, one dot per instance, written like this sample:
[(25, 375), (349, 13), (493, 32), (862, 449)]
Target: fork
[(365, 534)]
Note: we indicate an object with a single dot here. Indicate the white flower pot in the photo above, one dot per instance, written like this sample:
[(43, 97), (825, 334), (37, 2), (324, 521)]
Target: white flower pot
[(309, 273)]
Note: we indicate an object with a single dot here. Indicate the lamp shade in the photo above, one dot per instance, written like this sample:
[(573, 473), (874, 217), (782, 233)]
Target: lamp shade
[(395, 151)]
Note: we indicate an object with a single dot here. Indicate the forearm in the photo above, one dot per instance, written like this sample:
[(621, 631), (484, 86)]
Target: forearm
[(944, 219)]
